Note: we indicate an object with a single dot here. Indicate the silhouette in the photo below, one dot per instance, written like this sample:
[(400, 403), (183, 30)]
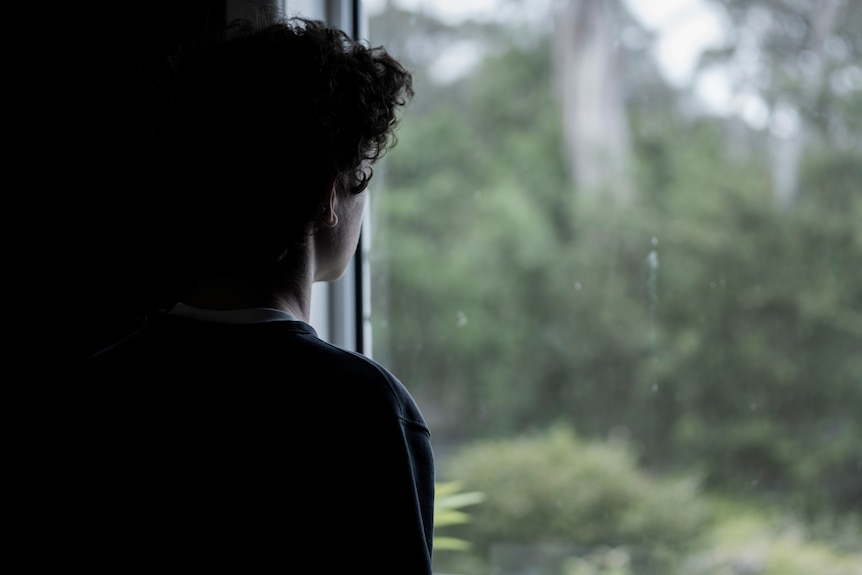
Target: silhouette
[(223, 435)]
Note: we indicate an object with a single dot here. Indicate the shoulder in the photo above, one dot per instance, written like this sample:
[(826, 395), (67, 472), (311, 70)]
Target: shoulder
[(280, 359), (369, 378)]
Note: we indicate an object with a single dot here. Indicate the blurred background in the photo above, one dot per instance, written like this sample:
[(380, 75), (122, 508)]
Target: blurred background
[(617, 258)]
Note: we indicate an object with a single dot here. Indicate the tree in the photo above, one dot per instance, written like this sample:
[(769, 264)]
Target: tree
[(719, 333), (801, 49), (588, 68)]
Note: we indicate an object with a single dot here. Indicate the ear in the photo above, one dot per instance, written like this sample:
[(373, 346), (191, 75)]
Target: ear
[(330, 202)]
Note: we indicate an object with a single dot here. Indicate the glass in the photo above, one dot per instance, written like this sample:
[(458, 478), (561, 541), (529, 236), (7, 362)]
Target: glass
[(616, 258)]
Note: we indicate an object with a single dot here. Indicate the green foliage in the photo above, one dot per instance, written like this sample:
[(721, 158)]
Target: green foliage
[(555, 488), (754, 543), (602, 561), (556, 504), (448, 502), (719, 331)]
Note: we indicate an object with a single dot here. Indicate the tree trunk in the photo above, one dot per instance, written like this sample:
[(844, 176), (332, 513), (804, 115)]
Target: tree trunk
[(596, 139), (789, 148)]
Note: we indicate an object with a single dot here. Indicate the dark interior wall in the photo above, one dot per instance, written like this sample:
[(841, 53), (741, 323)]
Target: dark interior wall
[(79, 189), (109, 190), (106, 238)]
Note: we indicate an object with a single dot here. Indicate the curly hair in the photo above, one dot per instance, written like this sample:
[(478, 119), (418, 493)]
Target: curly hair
[(260, 120)]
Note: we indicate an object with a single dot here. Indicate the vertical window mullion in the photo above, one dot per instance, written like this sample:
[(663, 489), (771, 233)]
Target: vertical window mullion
[(338, 308)]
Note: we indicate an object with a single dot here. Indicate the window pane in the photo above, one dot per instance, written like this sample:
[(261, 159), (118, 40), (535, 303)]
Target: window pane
[(616, 257), (315, 9), (334, 305)]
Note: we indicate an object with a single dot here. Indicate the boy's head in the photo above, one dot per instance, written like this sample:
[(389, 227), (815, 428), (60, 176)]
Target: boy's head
[(258, 127)]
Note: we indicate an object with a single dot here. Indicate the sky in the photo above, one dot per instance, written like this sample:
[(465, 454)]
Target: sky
[(684, 26), (683, 29)]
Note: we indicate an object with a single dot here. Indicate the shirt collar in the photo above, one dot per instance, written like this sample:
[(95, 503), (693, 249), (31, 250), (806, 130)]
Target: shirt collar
[(234, 316)]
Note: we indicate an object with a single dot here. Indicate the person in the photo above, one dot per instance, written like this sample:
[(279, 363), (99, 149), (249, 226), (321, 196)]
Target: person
[(224, 435)]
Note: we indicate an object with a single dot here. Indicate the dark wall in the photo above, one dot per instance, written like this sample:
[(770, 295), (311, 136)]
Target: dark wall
[(79, 188), (108, 243), (78, 198)]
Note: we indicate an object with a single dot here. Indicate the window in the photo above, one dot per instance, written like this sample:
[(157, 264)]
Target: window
[(339, 309), (615, 256)]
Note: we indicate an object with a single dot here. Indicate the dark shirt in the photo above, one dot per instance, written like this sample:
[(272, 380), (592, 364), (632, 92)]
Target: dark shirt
[(202, 447)]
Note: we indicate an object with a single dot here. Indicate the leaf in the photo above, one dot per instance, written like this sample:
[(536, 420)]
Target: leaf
[(444, 517), (451, 544), (447, 488), (459, 500)]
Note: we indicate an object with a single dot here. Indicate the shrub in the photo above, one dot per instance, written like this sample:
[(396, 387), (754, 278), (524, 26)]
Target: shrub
[(554, 489)]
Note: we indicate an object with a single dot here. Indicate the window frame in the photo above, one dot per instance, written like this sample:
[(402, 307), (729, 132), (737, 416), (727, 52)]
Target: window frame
[(339, 309)]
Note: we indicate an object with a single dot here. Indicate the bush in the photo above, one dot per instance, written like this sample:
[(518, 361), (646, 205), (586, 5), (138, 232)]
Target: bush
[(554, 491), (755, 543)]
